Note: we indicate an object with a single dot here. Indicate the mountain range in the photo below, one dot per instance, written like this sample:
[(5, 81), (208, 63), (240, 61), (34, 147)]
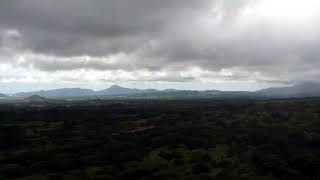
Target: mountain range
[(114, 90), (300, 90)]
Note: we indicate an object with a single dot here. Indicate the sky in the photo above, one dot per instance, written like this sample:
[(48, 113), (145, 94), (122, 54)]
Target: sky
[(194, 44)]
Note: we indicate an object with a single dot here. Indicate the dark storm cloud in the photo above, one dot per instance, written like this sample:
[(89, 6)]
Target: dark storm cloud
[(95, 27), (168, 35)]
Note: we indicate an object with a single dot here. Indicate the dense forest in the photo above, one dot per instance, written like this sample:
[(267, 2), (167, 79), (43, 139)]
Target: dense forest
[(133, 139)]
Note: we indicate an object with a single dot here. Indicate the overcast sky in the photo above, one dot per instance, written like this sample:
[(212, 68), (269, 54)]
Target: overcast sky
[(194, 44)]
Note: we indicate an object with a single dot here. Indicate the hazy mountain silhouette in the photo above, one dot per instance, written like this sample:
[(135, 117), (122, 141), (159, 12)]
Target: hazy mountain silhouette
[(300, 90), (64, 92), (118, 90), (35, 98)]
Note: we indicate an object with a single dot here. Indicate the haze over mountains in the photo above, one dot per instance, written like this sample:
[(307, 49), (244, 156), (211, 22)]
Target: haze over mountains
[(300, 90), (114, 90)]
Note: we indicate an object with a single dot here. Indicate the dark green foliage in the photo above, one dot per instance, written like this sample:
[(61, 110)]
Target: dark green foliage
[(161, 139), (11, 136)]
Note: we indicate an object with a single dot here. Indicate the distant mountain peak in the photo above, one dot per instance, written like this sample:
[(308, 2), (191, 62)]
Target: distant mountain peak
[(115, 86), (35, 97), (117, 90)]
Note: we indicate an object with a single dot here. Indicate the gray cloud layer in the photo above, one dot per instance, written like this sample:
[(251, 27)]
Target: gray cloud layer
[(95, 27), (234, 39)]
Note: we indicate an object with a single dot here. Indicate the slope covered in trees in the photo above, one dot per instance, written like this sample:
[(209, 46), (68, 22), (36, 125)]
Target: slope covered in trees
[(161, 139)]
